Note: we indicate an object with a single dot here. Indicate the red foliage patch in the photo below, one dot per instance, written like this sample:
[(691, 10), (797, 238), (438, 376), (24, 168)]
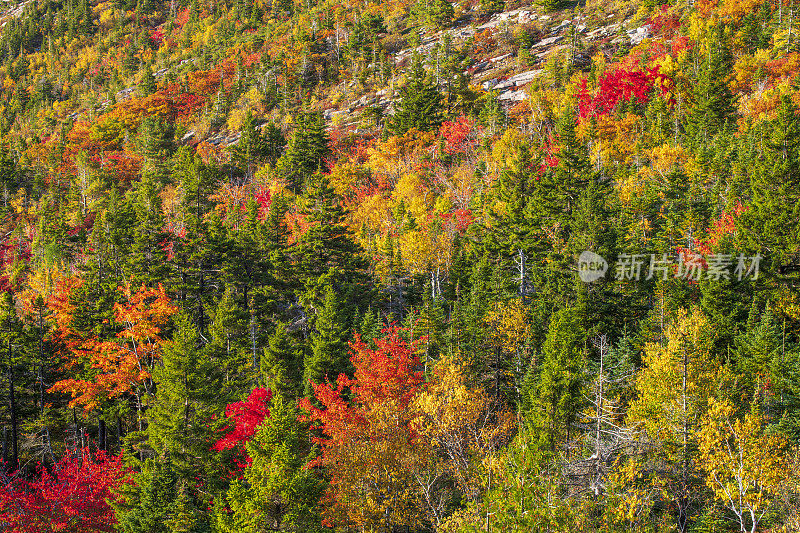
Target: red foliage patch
[(618, 86), (458, 135), (663, 23), (459, 220), (246, 416), (156, 36), (72, 496), (386, 374)]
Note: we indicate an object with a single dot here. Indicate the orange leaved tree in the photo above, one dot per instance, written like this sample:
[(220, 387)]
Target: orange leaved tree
[(369, 447), (121, 366)]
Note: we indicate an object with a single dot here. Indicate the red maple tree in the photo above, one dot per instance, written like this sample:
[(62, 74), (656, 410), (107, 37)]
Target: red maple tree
[(72, 496), (246, 416)]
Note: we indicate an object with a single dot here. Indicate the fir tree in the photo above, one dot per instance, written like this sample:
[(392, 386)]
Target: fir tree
[(560, 380), (147, 85), (188, 400), (712, 106), (281, 364), (327, 243), (277, 492)]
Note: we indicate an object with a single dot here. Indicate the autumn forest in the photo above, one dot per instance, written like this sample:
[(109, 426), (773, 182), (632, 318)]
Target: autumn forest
[(399, 266)]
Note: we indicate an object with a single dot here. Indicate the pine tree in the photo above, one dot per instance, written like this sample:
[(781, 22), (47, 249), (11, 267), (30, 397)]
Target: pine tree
[(420, 105)]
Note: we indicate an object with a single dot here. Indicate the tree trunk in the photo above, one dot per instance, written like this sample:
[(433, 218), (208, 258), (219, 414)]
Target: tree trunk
[(101, 434), (12, 404)]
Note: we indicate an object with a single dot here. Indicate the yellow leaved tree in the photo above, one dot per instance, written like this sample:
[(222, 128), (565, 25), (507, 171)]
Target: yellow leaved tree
[(745, 466), (674, 387)]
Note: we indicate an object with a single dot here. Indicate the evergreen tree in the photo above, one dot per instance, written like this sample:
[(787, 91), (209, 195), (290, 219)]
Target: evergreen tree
[(306, 151), (770, 222), (147, 85), (156, 137), (250, 149), (277, 492), (157, 503), (231, 345), (281, 364), (712, 105), (147, 260), (420, 104), (327, 243), (560, 381), (329, 355), (188, 400), (758, 354)]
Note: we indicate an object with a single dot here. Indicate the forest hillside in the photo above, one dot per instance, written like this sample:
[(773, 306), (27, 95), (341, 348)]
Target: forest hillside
[(399, 266)]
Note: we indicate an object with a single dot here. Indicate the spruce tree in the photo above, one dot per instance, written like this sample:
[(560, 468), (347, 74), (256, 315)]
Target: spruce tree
[(188, 400), (306, 151), (329, 355), (560, 380), (147, 85), (250, 148), (712, 105), (277, 492), (156, 138), (327, 243), (420, 104), (281, 365), (770, 223)]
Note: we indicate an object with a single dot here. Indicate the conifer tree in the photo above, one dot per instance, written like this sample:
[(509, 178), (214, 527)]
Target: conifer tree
[(147, 259), (147, 85), (281, 365), (11, 356), (306, 151), (250, 149), (712, 105), (327, 243), (180, 418), (157, 502), (420, 105), (560, 382), (770, 222), (156, 137), (758, 354), (276, 492), (329, 355)]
